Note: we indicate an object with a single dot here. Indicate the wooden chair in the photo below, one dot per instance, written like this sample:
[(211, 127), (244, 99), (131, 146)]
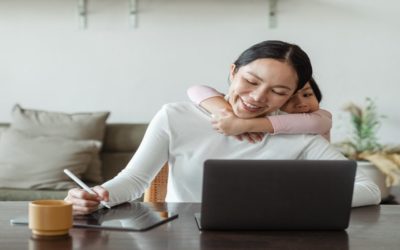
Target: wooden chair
[(158, 188)]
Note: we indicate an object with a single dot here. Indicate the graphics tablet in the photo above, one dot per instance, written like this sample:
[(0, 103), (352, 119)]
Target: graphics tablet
[(133, 216)]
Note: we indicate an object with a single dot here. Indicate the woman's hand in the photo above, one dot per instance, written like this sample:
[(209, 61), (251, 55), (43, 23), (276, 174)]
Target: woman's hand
[(83, 202), (227, 123)]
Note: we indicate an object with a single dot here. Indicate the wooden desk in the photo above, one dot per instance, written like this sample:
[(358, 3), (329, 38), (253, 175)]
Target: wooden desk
[(375, 227)]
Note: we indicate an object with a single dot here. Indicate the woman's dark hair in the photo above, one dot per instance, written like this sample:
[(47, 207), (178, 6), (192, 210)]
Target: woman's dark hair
[(315, 88), (281, 51)]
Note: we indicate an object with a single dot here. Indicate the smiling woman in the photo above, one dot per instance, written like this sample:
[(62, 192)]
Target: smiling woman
[(265, 76), (263, 79), (261, 87)]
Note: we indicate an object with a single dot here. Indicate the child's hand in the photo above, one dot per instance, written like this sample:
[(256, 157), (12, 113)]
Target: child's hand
[(252, 137), (227, 123)]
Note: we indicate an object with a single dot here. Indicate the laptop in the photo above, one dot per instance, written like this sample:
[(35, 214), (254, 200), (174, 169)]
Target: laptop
[(276, 194)]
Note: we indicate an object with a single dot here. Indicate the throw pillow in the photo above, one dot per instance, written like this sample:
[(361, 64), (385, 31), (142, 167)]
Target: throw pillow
[(78, 126), (1, 132), (37, 162), (3, 127)]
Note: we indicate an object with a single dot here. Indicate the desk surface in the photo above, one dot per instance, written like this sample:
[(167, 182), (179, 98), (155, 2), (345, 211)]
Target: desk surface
[(374, 227)]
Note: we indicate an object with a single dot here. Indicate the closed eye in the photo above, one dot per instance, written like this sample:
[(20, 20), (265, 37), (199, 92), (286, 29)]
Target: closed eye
[(279, 92), (250, 82)]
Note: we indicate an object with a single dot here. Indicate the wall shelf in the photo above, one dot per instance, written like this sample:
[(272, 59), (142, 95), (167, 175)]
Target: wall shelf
[(133, 13), (83, 13), (273, 13)]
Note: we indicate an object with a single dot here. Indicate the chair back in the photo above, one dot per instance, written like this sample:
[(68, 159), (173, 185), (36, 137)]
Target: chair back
[(158, 188)]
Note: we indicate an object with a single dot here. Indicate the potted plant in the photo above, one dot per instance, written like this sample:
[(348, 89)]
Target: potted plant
[(380, 163)]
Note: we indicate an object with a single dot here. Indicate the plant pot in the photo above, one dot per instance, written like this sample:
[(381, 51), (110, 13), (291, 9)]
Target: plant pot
[(375, 175)]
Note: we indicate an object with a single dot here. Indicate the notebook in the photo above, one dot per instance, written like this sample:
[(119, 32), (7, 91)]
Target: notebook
[(276, 194)]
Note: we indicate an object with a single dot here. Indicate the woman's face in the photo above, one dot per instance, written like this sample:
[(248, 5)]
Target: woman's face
[(304, 101), (261, 87)]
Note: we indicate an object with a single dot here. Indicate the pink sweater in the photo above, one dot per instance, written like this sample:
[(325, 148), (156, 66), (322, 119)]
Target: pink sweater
[(318, 122)]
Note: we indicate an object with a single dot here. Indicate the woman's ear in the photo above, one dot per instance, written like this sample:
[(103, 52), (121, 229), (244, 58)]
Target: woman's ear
[(232, 72)]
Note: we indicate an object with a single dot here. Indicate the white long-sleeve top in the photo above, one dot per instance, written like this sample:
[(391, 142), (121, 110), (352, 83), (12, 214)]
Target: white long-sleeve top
[(181, 134)]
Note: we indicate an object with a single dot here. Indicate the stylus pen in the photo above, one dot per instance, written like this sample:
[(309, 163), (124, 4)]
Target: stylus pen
[(83, 185)]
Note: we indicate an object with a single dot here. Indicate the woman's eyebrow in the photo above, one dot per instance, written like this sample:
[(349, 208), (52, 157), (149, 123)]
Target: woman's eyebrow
[(254, 75)]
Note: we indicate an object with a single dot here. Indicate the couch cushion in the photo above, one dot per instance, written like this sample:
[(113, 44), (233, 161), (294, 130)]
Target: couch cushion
[(78, 126), (113, 163), (13, 194), (3, 127), (123, 137), (37, 162), (120, 143)]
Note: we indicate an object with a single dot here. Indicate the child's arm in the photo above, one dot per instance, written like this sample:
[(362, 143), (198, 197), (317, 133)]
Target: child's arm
[(214, 102), (208, 98), (318, 122), (226, 122)]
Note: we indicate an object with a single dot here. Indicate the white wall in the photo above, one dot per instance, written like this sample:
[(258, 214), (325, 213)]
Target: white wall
[(47, 62)]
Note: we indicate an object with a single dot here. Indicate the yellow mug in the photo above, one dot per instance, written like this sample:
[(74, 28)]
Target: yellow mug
[(50, 217)]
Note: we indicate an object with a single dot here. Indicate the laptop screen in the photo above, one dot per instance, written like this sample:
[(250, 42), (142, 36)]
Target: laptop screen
[(277, 194)]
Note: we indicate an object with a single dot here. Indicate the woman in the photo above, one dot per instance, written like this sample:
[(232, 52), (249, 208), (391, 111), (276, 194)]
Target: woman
[(262, 79)]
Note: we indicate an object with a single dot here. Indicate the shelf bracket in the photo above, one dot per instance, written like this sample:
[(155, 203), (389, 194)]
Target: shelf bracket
[(82, 13), (133, 13), (272, 13)]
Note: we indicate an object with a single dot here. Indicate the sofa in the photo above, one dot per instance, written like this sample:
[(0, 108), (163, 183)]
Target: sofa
[(120, 143)]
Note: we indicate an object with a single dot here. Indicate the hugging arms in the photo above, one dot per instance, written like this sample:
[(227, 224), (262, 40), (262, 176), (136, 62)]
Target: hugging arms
[(301, 114)]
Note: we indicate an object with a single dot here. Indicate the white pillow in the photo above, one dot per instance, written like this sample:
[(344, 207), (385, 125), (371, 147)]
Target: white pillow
[(37, 162)]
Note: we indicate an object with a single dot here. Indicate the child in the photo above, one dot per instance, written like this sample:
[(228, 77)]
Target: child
[(304, 115)]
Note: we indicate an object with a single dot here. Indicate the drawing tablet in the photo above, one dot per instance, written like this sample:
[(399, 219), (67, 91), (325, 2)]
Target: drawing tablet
[(133, 216)]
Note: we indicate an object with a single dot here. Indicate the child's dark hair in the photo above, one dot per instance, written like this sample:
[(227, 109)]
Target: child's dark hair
[(315, 88)]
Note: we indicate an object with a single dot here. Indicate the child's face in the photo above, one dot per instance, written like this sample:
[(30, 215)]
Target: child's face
[(303, 101)]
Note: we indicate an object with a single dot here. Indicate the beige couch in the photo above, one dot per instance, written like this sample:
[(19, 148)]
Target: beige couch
[(120, 143)]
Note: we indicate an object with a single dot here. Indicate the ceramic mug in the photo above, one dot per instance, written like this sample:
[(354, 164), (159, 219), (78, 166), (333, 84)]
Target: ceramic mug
[(50, 217)]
